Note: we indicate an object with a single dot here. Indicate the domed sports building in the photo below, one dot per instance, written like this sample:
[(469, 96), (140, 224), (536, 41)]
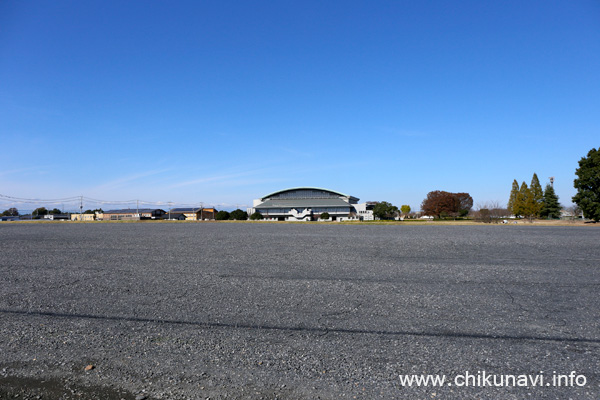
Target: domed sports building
[(308, 203)]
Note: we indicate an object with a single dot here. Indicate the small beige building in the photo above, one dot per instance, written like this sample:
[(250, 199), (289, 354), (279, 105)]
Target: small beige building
[(83, 217)]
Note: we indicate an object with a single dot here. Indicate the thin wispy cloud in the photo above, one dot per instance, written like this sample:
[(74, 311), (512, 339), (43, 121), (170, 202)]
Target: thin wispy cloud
[(251, 182), (127, 180), (40, 170), (311, 169), (215, 178)]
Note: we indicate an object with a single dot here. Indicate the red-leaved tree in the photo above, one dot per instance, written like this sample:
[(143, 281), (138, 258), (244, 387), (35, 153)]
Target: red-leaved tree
[(439, 202)]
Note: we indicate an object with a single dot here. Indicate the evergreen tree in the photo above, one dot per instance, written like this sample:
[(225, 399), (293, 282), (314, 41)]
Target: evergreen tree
[(551, 207), (588, 185), (239, 215), (521, 202), (512, 201), (531, 206), (222, 215), (537, 196)]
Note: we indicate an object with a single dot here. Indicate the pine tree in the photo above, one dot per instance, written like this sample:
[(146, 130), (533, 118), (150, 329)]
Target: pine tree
[(531, 206), (537, 196), (588, 185), (512, 200), (520, 206), (551, 206)]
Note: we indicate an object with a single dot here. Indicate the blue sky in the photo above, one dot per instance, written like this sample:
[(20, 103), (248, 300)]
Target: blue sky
[(222, 102)]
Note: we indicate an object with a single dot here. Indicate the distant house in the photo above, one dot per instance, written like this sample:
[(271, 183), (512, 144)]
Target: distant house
[(570, 214), (57, 217), (174, 216), (191, 214), (133, 214), (208, 213), (195, 214)]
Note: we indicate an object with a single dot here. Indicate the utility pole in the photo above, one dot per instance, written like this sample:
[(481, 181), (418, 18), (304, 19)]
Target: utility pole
[(137, 208), (81, 208)]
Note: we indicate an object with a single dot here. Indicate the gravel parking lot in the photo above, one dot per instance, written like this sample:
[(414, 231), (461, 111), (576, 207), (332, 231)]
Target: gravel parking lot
[(294, 311)]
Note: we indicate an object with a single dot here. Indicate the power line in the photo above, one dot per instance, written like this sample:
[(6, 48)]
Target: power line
[(78, 201), (25, 200), (92, 200)]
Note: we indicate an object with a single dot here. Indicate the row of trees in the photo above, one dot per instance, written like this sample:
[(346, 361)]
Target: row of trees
[(238, 214), (525, 201), (533, 202), (221, 215), (44, 211), (13, 212)]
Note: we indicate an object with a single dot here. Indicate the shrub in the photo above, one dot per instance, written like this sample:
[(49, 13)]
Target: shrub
[(256, 216), (238, 215), (325, 215), (222, 215)]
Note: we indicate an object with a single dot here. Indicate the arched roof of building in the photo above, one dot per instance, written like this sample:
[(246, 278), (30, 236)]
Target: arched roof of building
[(305, 188)]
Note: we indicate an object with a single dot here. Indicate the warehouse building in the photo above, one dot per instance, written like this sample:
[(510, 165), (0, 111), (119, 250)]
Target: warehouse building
[(308, 203), (132, 214)]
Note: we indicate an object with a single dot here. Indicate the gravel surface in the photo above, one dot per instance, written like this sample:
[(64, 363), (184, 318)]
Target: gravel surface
[(294, 311)]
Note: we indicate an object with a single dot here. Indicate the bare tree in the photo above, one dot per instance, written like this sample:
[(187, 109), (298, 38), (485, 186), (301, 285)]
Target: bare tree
[(575, 212), (491, 211)]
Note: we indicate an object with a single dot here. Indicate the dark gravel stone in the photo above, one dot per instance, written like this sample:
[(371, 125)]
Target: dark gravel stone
[(294, 311)]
